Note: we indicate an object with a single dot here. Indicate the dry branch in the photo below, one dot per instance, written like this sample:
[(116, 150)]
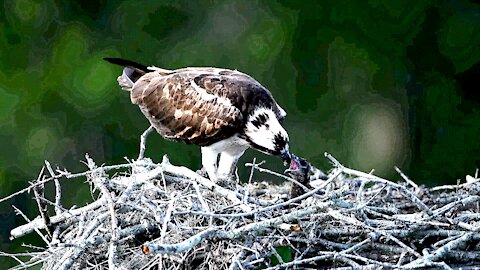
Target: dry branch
[(166, 216)]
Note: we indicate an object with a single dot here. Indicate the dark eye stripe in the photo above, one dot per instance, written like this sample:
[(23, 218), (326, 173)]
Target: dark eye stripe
[(260, 120), (279, 141)]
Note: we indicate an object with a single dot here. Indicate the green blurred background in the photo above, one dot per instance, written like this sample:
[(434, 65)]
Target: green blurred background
[(376, 83)]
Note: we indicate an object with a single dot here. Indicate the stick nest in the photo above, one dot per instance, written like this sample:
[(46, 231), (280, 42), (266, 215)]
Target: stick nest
[(161, 216)]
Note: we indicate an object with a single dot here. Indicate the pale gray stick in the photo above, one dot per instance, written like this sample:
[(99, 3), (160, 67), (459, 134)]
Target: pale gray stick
[(442, 252), (39, 192), (456, 186), (28, 220), (14, 256), (465, 201), (38, 222), (143, 141), (406, 178), (58, 203), (167, 217), (377, 179), (367, 260), (275, 253), (58, 189), (200, 197), (282, 204), (218, 233), (328, 256), (186, 172), (66, 175), (99, 180)]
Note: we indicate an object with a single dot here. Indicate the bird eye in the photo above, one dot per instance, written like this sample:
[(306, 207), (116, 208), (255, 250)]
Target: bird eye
[(303, 163)]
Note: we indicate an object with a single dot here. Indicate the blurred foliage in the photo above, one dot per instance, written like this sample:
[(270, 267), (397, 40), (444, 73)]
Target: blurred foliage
[(376, 83), (285, 252)]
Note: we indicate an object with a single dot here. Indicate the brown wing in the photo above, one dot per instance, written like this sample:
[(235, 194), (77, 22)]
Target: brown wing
[(243, 91), (180, 110)]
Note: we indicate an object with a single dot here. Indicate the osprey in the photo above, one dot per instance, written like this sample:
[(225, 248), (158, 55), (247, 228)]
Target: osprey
[(223, 111)]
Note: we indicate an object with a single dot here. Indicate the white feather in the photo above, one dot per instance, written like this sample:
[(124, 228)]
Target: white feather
[(178, 114), (283, 113), (161, 70), (264, 135), (209, 162), (231, 150), (203, 93), (231, 144)]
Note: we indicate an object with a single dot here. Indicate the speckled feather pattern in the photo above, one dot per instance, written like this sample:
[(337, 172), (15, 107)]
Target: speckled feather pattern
[(223, 111), (199, 105)]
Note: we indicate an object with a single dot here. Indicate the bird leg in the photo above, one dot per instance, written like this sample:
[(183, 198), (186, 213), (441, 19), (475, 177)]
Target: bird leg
[(227, 163), (209, 162)]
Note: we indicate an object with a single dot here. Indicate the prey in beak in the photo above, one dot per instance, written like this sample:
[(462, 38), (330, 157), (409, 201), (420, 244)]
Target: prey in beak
[(302, 171), (299, 169)]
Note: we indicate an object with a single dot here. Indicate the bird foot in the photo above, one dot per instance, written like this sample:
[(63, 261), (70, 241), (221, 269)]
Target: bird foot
[(226, 181), (202, 172)]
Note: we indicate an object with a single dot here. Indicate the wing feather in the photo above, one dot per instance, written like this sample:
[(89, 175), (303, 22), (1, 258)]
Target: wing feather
[(180, 112), (241, 90)]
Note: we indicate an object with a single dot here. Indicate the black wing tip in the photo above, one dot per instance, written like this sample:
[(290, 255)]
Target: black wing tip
[(125, 63), (120, 61), (111, 59)]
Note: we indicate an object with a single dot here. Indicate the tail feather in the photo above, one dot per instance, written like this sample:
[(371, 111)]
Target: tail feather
[(132, 71), (126, 63)]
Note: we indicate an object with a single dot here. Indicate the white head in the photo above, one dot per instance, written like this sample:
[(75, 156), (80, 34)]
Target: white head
[(265, 133)]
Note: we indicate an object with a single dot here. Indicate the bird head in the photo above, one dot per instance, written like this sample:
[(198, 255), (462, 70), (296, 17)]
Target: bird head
[(299, 168), (265, 133)]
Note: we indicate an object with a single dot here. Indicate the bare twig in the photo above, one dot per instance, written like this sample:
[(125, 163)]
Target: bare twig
[(66, 175), (39, 223), (143, 141), (100, 181), (44, 238), (39, 191), (58, 189), (442, 252), (167, 217), (222, 234), (182, 220), (373, 178), (458, 186), (406, 178)]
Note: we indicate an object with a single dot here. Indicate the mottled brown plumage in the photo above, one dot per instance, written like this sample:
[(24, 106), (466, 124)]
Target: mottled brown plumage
[(167, 102), (223, 111), (198, 105)]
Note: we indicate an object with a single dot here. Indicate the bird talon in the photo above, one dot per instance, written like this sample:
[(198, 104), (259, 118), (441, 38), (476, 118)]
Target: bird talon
[(225, 181)]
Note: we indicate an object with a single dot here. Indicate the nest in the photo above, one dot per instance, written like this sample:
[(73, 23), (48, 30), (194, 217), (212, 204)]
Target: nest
[(161, 216)]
